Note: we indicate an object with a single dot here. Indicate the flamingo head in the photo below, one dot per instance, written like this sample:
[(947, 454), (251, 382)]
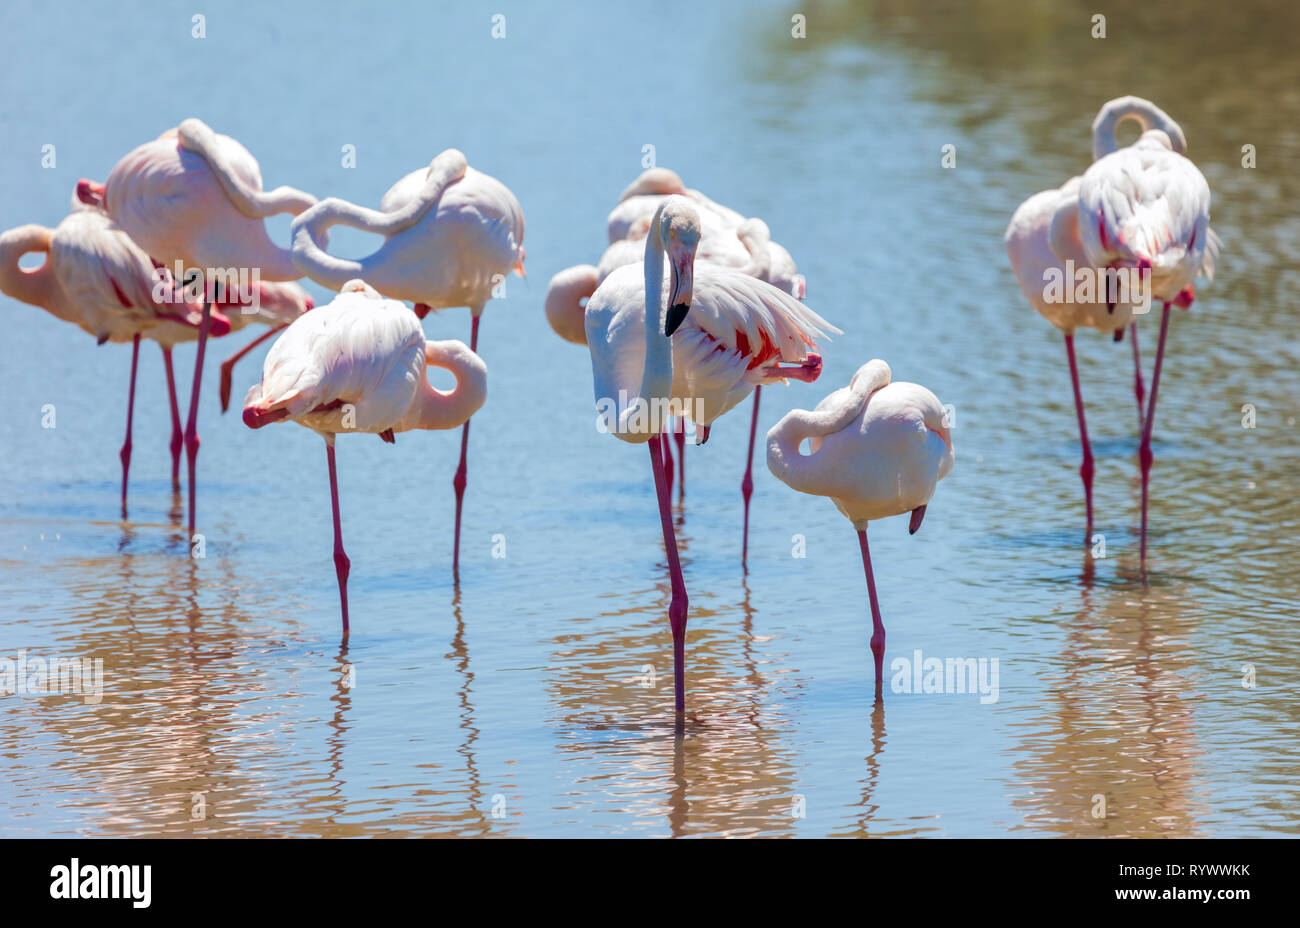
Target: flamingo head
[(679, 230)]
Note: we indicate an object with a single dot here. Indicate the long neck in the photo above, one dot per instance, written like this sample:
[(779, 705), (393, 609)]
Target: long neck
[(756, 237), (37, 286), (657, 376), (783, 458), (436, 409), (1144, 112)]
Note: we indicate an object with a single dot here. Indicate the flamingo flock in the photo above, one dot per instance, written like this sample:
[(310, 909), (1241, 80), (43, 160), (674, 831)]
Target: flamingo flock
[(692, 308)]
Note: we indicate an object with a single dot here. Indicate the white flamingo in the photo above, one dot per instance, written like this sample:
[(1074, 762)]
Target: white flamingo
[(719, 334), (358, 365), (727, 239), (97, 278), (452, 234), (196, 197), (1147, 206), (877, 449)]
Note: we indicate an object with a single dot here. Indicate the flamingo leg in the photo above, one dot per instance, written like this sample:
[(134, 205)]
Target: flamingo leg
[(677, 608), (877, 627), (1144, 450), (668, 466), (125, 453), (747, 484), (679, 433), (459, 482), (192, 425), (228, 365), (176, 419), (1086, 469), (1138, 390), (342, 566)]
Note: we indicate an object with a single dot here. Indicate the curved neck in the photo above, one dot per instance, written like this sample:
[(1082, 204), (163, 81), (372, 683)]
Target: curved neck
[(1145, 113), (438, 409), (657, 375), (195, 135), (756, 237), (37, 286), (783, 457)]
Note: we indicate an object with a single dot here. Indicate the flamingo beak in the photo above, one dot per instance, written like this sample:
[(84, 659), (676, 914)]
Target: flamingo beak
[(421, 310), (679, 298), (91, 193), (917, 515)]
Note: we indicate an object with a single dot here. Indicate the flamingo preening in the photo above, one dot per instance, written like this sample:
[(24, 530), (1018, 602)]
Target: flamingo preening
[(97, 278), (358, 364), (697, 353), (727, 239), (195, 197), (1045, 239), (877, 449), (452, 235)]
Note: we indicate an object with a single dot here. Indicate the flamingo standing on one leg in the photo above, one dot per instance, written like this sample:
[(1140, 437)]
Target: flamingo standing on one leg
[(1148, 206), (453, 234), (878, 449), (726, 238), (358, 365), (195, 197), (719, 333)]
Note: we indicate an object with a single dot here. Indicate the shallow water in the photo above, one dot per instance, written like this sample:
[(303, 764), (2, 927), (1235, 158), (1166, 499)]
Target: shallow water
[(522, 704)]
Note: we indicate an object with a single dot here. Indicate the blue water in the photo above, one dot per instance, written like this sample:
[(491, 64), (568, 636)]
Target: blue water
[(521, 703)]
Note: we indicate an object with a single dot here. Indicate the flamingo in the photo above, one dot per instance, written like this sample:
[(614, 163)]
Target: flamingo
[(1038, 243), (1146, 206), (452, 235), (195, 197), (358, 364), (719, 334), (877, 449), (727, 239), (95, 277)]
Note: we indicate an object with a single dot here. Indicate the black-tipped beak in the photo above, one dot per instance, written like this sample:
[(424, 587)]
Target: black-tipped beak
[(917, 515), (676, 316)]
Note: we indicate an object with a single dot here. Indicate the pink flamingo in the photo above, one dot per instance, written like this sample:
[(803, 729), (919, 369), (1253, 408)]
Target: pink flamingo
[(195, 197), (1043, 235), (452, 235), (718, 335), (877, 449), (726, 238), (1145, 206), (95, 277), (357, 364)]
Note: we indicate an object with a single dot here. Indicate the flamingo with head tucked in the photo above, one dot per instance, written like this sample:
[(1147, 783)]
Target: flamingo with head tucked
[(1044, 234), (696, 350), (195, 197), (452, 234), (726, 238), (877, 449), (97, 278), (1146, 206), (358, 364)]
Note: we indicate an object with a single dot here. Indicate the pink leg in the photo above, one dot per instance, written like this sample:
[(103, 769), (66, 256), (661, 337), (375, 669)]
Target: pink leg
[(1086, 470), (125, 453), (679, 433), (747, 484), (228, 365), (877, 627), (677, 609), (341, 563), (460, 480), (1138, 390), (176, 419), (1144, 451), (668, 466), (192, 425)]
